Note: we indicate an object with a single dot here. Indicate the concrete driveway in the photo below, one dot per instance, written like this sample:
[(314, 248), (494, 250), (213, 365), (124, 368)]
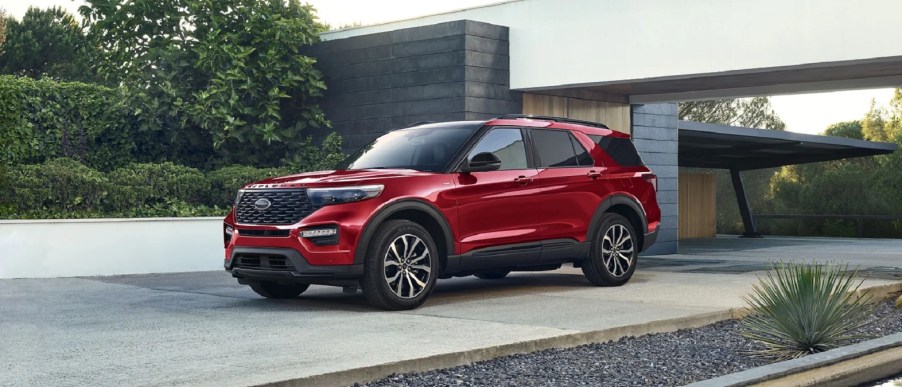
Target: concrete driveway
[(204, 329)]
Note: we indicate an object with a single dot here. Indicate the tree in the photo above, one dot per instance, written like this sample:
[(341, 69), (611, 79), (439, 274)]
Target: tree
[(857, 186), (45, 43), (3, 20), (847, 129), (213, 77), (754, 112), (747, 112)]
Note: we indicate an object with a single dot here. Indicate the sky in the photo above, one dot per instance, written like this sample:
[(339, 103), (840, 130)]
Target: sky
[(805, 113)]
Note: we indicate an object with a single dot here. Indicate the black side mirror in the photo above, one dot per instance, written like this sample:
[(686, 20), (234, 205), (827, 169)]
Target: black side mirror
[(482, 162)]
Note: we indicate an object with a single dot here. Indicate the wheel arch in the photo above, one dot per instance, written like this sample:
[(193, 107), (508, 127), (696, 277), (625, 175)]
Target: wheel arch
[(623, 205), (417, 211)]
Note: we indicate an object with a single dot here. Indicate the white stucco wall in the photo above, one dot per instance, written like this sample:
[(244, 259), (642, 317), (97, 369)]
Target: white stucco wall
[(555, 43), (68, 248)]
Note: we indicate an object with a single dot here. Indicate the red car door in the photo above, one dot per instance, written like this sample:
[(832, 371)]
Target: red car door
[(497, 210), (570, 184)]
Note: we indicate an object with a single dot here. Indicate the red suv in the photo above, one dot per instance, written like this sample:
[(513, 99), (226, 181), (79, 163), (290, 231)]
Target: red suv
[(442, 200)]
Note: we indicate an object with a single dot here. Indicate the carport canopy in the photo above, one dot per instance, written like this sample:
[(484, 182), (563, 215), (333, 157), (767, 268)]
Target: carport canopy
[(729, 147), (737, 149)]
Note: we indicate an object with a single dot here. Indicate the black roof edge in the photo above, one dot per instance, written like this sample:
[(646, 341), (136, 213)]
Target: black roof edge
[(552, 118)]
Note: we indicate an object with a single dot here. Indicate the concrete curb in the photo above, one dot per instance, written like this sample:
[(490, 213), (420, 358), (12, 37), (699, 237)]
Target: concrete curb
[(447, 360), (851, 365)]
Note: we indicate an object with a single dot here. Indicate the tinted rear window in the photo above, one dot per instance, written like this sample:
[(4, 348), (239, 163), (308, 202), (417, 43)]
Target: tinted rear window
[(554, 148), (621, 150)]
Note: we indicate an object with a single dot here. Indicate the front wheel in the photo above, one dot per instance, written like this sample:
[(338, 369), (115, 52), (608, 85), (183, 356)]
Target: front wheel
[(614, 253), (401, 266), (275, 290)]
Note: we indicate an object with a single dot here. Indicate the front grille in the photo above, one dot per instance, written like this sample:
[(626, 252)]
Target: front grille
[(263, 262), (287, 207), (263, 233)]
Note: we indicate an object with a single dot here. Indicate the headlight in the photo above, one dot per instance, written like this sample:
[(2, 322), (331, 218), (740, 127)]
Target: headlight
[(238, 198), (338, 195)]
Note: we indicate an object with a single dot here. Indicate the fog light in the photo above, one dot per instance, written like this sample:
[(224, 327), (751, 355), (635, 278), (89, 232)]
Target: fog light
[(229, 230), (319, 232)]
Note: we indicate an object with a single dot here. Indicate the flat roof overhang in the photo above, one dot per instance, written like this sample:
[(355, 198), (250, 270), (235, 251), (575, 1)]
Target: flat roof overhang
[(703, 145)]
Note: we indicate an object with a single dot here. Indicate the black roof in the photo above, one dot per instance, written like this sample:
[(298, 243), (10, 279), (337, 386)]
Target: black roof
[(704, 145)]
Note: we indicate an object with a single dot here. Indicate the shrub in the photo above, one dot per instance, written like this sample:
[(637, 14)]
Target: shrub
[(59, 188), (800, 309), (64, 188), (42, 119), (149, 185)]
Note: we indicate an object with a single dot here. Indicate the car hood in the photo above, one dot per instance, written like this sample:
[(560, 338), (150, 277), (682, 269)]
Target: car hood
[(335, 178)]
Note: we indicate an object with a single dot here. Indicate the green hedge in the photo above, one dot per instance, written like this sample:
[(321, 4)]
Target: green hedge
[(43, 119), (64, 188)]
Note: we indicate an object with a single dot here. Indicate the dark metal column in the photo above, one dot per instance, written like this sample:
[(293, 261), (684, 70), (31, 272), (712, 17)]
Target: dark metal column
[(751, 230)]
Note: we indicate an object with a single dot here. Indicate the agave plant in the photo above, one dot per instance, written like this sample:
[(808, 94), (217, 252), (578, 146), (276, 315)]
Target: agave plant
[(800, 309)]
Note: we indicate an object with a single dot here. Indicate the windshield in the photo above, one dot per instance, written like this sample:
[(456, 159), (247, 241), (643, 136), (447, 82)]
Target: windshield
[(424, 148)]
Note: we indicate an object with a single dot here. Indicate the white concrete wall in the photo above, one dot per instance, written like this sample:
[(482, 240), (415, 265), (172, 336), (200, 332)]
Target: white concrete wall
[(556, 43), (69, 248)]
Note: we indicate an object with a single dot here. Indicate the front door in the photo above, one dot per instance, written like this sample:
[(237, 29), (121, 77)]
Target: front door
[(498, 217)]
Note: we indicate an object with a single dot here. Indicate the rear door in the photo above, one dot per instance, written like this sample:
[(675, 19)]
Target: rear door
[(569, 183)]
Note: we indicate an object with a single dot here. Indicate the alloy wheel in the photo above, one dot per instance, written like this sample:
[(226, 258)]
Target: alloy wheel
[(617, 250), (408, 266)]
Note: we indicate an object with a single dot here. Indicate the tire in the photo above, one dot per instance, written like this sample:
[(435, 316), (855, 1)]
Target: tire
[(274, 290), (610, 264), (492, 275), (401, 266)]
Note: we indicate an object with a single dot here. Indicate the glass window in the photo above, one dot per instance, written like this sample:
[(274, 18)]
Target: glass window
[(582, 155), (424, 148), (621, 150), (554, 148), (507, 144)]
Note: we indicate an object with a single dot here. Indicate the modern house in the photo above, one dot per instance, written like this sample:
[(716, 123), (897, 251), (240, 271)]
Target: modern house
[(626, 64)]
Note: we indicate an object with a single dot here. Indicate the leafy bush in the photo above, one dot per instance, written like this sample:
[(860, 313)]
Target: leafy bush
[(800, 309), (313, 157), (43, 119), (60, 187), (149, 185), (234, 86), (64, 188)]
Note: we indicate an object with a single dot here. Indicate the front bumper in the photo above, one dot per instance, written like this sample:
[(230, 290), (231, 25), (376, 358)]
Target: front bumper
[(285, 265)]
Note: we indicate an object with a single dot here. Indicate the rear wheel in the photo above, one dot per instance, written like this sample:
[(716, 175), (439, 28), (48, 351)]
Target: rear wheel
[(401, 266), (613, 256), (275, 290), (492, 275)]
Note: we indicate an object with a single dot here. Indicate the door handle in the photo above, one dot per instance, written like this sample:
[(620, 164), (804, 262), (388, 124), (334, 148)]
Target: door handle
[(593, 174), (523, 180)]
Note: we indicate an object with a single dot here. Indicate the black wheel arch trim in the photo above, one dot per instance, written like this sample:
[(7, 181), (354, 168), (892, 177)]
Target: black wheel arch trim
[(369, 229), (612, 201)]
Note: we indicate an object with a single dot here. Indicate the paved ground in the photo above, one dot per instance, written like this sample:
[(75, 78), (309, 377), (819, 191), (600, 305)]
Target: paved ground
[(204, 329)]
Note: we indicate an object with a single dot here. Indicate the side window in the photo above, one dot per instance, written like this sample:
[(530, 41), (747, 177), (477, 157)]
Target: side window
[(554, 148), (582, 155), (621, 150), (507, 144)]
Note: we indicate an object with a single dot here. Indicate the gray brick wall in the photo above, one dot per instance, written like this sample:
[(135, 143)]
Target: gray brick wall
[(449, 71), (655, 135)]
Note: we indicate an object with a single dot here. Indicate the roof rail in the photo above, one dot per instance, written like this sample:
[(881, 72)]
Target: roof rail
[(551, 118), (419, 123)]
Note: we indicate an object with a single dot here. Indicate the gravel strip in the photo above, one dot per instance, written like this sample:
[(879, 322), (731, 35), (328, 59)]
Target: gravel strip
[(670, 359)]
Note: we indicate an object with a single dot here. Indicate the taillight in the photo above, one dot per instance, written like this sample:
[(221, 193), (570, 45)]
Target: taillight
[(652, 179)]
